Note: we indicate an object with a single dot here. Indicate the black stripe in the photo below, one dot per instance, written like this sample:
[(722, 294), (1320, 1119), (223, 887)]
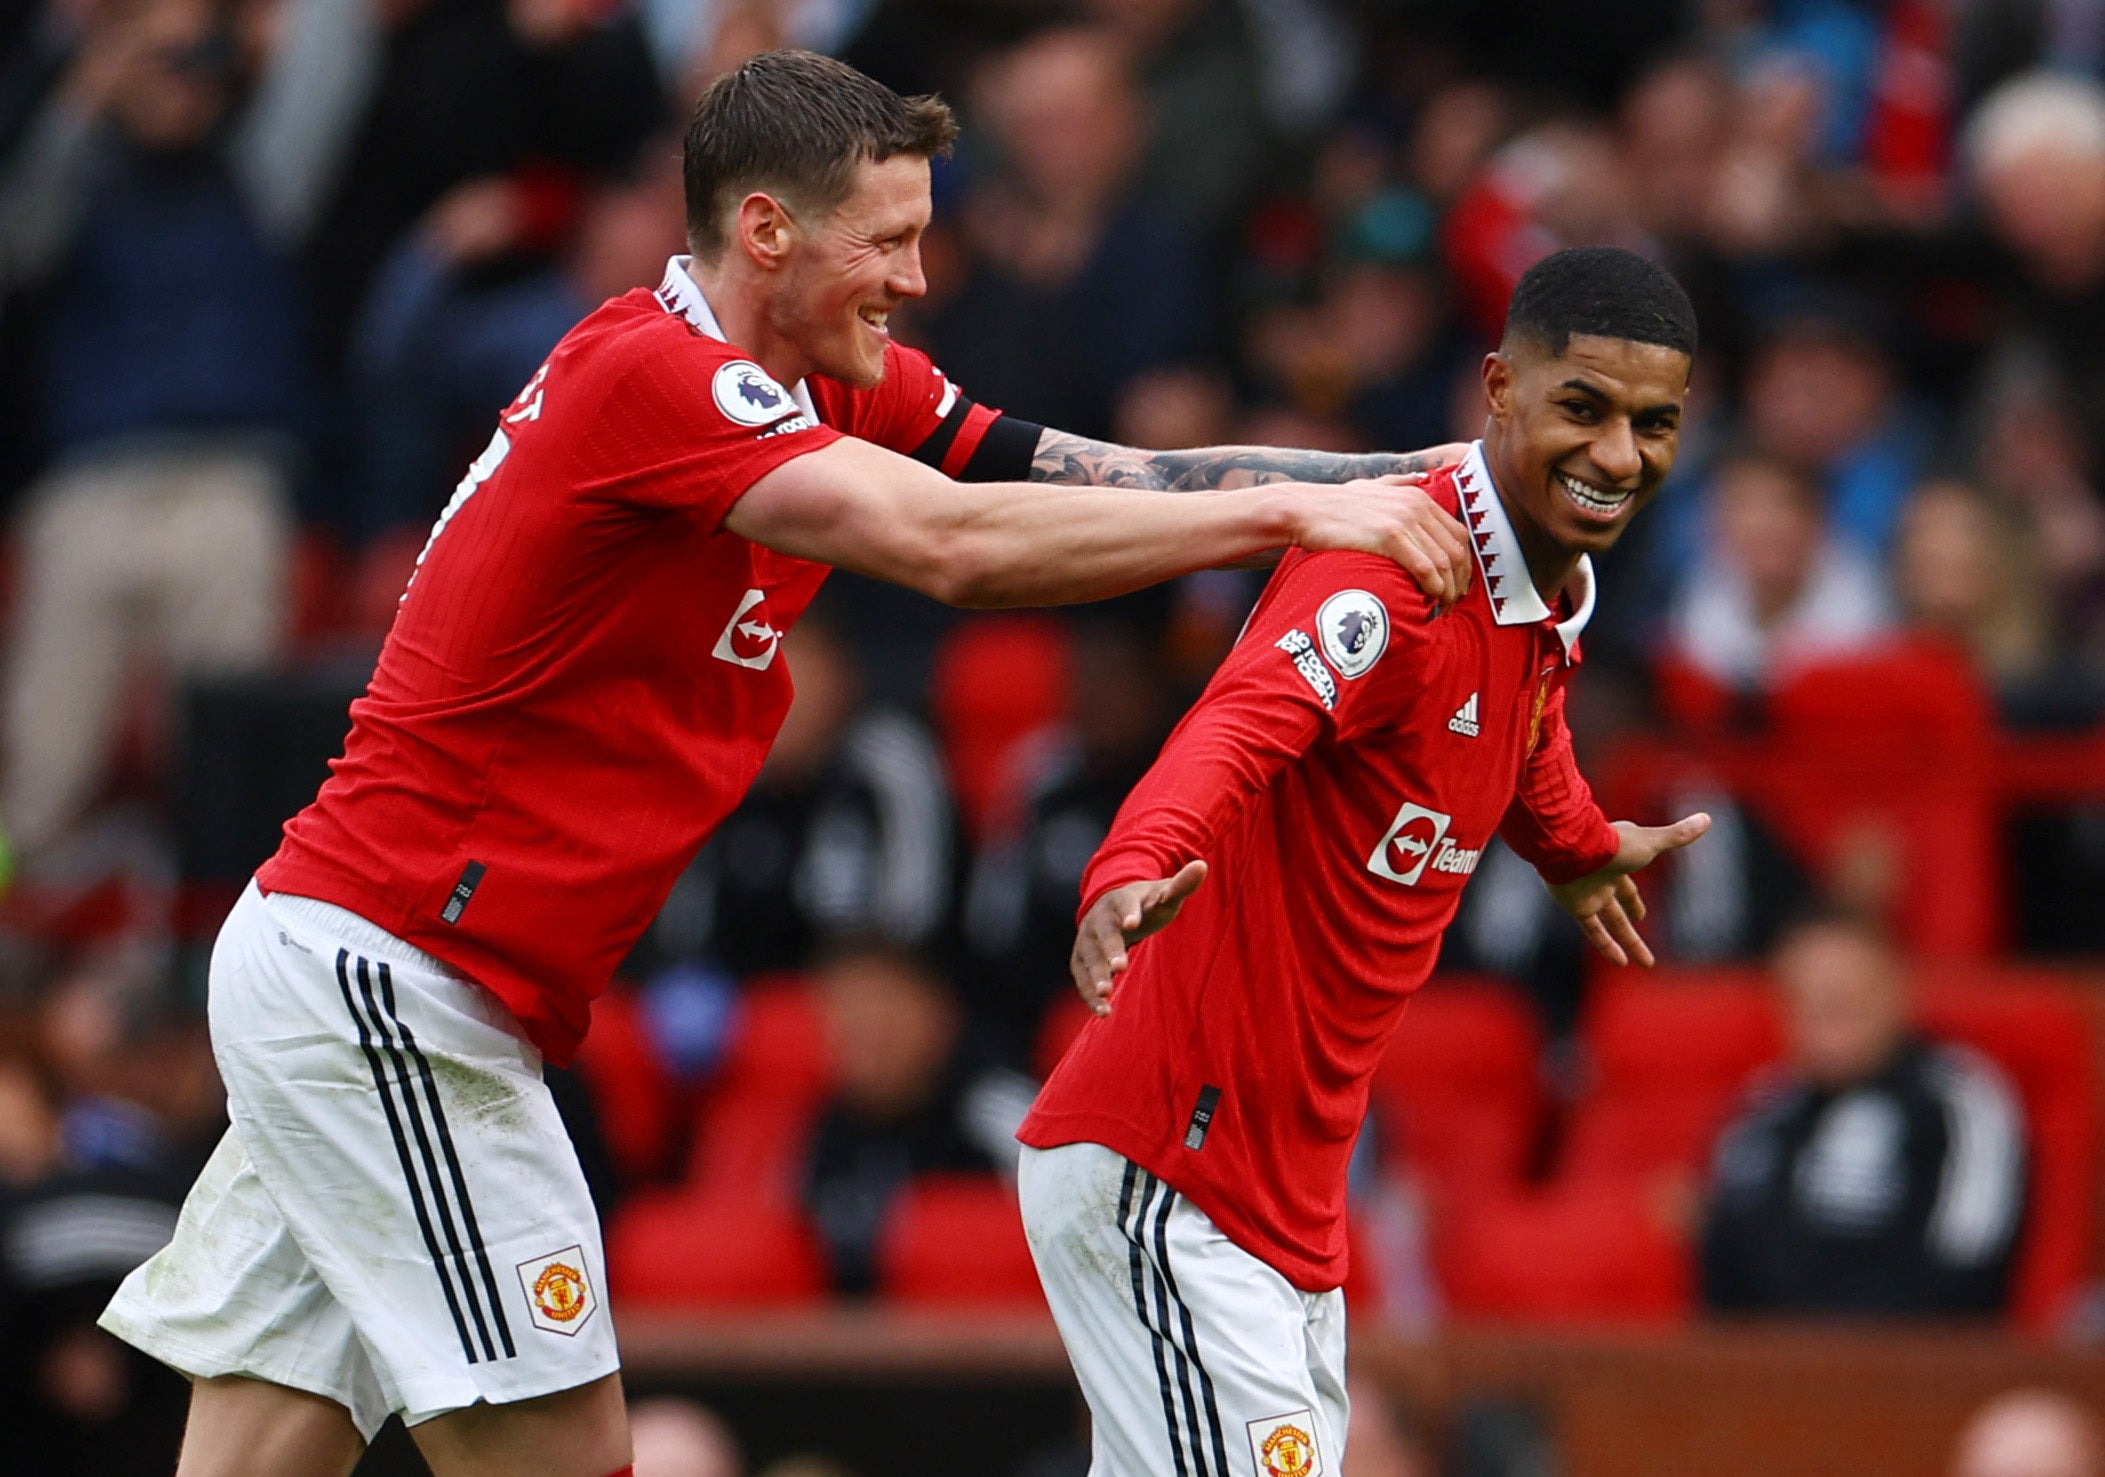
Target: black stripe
[(1165, 1296), (409, 1171), (431, 1167), (1191, 1339), (1004, 454), (937, 446), (1140, 1306), (460, 1183)]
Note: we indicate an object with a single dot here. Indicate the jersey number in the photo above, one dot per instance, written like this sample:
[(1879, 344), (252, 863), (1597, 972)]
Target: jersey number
[(479, 472)]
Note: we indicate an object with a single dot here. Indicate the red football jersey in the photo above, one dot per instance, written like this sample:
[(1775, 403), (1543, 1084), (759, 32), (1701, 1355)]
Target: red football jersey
[(581, 679), (1340, 776)]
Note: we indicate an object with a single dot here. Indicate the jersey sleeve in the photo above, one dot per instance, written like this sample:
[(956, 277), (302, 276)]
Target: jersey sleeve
[(1553, 822), (917, 412), (1337, 645), (692, 430)]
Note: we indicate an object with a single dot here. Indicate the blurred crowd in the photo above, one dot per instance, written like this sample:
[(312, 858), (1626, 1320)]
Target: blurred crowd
[(267, 268)]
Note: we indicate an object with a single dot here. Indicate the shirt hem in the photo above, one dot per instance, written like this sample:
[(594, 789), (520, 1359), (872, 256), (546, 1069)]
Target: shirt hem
[(1052, 1130)]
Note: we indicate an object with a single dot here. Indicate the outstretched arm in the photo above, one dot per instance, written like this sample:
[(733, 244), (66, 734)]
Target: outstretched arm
[(858, 506), (1079, 462), (1438, 558)]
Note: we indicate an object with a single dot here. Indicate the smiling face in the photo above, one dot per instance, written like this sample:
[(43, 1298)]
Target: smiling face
[(1579, 441), (846, 270)]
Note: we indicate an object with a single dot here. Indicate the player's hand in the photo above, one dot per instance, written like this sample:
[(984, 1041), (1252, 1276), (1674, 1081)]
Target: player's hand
[(1607, 903), (1392, 516), (1119, 919)]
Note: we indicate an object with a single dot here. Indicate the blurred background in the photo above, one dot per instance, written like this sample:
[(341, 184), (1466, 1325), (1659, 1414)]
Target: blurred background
[(1817, 1196)]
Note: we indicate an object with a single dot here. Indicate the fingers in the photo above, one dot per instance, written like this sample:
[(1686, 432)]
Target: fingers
[(1446, 544), (1623, 930), (1099, 956), (1185, 883), (1687, 829), (1632, 900), (1603, 942)]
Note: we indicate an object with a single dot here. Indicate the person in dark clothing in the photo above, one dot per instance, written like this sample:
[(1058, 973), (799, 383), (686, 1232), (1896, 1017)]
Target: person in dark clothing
[(906, 1104), (1019, 907), (1878, 1173)]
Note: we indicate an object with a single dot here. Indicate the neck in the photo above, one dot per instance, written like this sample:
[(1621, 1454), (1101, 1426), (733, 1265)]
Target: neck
[(740, 303), (1549, 566)]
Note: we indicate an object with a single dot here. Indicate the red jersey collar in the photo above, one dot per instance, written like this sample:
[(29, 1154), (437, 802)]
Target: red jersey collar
[(679, 294), (1504, 569)]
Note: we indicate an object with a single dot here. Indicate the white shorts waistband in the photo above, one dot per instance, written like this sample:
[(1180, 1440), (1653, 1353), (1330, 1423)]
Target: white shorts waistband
[(354, 929)]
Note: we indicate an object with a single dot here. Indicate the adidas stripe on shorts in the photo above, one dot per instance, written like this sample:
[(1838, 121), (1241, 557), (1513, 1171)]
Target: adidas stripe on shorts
[(395, 1219), (1196, 1358)]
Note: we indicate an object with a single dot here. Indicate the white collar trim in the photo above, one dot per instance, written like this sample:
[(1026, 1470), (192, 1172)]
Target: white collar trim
[(679, 293), (1501, 565)]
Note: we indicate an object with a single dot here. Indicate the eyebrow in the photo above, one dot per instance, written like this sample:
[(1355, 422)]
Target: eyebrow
[(1594, 392)]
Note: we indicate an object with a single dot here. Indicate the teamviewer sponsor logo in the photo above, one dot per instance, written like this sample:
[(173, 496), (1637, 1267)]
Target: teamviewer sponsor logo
[(749, 638), (1418, 839)]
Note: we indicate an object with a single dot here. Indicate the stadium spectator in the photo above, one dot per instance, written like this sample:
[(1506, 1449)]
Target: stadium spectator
[(2032, 455), (495, 112), (676, 1437), (1876, 1172), (2036, 148), (1019, 910), (1964, 569), (1823, 392), (1777, 587), (95, 1188), (1075, 280), (905, 1103), (2031, 1433), (174, 398), (1203, 73)]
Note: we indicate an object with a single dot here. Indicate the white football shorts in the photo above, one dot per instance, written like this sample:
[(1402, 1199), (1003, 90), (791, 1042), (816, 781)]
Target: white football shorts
[(1196, 1358), (395, 1219)]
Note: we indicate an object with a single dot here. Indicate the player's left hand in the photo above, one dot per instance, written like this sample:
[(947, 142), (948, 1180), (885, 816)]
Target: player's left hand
[(1119, 919), (1607, 903)]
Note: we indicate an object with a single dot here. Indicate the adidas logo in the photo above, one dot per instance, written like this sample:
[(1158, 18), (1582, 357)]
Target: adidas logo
[(1464, 721)]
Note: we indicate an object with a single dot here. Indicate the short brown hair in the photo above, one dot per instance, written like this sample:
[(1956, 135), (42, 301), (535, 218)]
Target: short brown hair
[(796, 124)]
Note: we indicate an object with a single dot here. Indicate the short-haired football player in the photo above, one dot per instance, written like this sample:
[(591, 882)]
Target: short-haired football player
[(1183, 1180), (582, 680)]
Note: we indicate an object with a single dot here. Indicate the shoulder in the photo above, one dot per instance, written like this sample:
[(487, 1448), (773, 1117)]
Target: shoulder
[(1362, 601), (1967, 1080)]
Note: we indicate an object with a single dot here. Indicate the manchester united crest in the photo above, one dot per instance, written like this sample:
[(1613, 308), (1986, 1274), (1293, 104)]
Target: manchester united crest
[(558, 1293), (1285, 1445)]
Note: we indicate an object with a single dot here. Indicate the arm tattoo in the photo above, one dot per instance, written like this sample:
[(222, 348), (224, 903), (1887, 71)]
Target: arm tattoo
[(1080, 462)]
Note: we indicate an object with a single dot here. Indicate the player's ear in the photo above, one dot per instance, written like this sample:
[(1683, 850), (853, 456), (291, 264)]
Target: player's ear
[(764, 230), (1498, 382)]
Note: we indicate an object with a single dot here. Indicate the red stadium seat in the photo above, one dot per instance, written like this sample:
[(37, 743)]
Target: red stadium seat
[(1460, 1092), (1579, 1252), (1899, 742), (759, 1114), (956, 1240), (1670, 1052), (999, 680), (690, 1248), (1062, 1022), (637, 1100), (2041, 1032)]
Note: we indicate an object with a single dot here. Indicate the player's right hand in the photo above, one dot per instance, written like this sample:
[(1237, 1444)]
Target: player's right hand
[(1393, 517), (1119, 919)]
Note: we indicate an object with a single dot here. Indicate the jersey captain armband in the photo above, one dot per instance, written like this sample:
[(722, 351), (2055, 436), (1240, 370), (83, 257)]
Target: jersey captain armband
[(975, 444)]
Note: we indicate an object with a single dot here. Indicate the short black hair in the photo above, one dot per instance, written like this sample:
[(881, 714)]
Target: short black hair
[(796, 124), (1601, 291)]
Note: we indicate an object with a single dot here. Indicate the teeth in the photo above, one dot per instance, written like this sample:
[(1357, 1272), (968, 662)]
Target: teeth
[(875, 318), (1593, 499)]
